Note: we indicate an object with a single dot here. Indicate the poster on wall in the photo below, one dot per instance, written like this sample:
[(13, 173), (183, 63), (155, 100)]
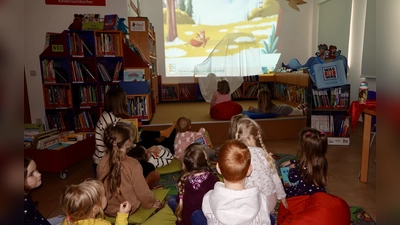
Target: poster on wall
[(76, 2)]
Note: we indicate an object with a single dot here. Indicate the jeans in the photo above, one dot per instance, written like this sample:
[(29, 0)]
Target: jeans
[(197, 217), (272, 218)]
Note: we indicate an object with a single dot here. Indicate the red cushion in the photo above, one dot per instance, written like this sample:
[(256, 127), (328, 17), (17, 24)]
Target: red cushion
[(317, 209), (225, 110)]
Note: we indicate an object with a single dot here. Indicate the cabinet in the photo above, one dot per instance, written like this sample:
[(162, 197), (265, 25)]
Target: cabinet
[(78, 68), (329, 114), (142, 35), (291, 88), (181, 92)]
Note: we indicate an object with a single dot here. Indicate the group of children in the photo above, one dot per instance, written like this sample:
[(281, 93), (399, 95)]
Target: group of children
[(125, 173)]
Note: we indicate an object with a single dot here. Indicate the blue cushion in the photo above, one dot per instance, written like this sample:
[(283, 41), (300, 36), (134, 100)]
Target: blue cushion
[(253, 115)]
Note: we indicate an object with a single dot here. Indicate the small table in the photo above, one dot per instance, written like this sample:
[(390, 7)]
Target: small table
[(368, 113)]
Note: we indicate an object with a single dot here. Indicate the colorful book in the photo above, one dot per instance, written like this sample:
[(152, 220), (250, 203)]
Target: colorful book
[(285, 177), (110, 22)]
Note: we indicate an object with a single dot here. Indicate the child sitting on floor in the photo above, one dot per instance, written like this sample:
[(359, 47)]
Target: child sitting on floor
[(84, 203), (310, 171), (233, 200), (197, 179), (222, 93), (184, 136), (265, 105)]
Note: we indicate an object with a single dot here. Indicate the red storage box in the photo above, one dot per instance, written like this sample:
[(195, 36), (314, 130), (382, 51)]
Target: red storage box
[(59, 160)]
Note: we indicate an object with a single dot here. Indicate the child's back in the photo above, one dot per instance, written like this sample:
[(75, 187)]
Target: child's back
[(185, 137), (233, 202)]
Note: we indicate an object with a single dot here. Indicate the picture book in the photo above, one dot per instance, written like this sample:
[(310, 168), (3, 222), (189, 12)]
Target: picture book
[(134, 75), (205, 140), (110, 22), (285, 177)]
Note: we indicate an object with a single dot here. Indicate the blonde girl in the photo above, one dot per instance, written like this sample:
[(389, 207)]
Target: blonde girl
[(121, 175), (265, 105), (232, 129), (84, 203), (310, 171), (222, 94), (197, 179), (264, 175)]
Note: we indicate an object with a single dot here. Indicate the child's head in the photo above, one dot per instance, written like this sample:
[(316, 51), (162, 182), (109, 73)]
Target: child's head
[(139, 152), (183, 124), (234, 160), (118, 138), (32, 177), (223, 86), (313, 165), (115, 101), (264, 100), (233, 127), (83, 201), (194, 161)]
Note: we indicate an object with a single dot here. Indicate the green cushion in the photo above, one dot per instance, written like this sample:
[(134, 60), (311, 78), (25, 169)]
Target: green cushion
[(165, 217), (142, 214), (174, 166)]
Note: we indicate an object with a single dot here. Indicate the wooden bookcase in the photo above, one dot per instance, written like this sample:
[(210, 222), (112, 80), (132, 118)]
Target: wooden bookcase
[(142, 35), (291, 88), (78, 68), (329, 114), (251, 85)]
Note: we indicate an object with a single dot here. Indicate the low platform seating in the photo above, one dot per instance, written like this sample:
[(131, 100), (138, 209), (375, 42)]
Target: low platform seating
[(317, 209), (225, 110), (254, 115)]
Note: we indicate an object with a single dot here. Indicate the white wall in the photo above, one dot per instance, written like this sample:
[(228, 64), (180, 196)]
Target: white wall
[(299, 34)]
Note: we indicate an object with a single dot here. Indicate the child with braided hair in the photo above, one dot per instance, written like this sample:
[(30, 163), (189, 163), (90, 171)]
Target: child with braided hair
[(121, 175), (264, 175), (197, 179), (310, 171)]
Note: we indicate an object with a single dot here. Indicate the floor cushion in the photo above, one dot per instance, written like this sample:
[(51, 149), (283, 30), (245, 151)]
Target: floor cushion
[(318, 209), (254, 115), (225, 110)]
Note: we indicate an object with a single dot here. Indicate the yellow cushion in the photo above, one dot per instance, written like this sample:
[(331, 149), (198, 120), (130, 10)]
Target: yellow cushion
[(174, 166), (165, 217), (142, 214)]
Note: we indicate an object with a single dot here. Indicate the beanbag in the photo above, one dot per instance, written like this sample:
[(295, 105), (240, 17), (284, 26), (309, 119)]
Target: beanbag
[(318, 209), (254, 115), (225, 110)]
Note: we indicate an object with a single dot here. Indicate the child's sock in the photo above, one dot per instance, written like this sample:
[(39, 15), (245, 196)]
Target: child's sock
[(168, 131)]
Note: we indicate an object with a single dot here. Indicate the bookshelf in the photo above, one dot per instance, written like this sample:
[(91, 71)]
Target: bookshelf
[(251, 85), (181, 92), (142, 35), (79, 67), (329, 114), (291, 88)]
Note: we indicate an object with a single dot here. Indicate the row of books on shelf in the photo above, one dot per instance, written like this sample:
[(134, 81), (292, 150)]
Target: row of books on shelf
[(332, 125), (237, 94), (84, 121), (78, 69), (184, 92), (105, 75), (88, 96), (58, 96), (52, 139), (291, 93), (333, 97), (137, 106), (251, 91), (77, 46), (56, 120), (53, 71), (169, 92), (250, 78), (107, 45)]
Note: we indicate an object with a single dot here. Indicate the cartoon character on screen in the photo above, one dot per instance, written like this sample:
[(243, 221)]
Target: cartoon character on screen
[(201, 39)]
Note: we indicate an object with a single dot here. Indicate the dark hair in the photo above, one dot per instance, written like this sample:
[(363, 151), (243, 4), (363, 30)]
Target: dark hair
[(234, 160), (313, 166), (115, 102), (27, 188), (223, 86), (138, 152), (183, 124)]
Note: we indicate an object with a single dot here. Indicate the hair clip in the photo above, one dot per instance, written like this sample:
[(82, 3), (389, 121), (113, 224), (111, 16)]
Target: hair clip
[(114, 123), (322, 133), (114, 144), (68, 218), (180, 196), (308, 133)]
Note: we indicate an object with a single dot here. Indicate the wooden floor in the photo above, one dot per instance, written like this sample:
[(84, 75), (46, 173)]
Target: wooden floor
[(286, 127)]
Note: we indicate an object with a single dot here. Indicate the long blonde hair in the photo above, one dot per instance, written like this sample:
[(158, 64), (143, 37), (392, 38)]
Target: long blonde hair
[(115, 138), (195, 160), (83, 201), (250, 133), (233, 127)]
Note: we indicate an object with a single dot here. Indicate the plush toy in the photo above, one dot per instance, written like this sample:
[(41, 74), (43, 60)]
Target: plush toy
[(77, 23), (121, 26)]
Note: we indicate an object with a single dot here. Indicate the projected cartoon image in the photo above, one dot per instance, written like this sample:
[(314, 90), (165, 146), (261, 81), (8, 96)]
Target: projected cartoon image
[(225, 37)]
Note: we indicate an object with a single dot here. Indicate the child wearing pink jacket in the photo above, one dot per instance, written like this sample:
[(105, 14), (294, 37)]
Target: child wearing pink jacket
[(184, 136)]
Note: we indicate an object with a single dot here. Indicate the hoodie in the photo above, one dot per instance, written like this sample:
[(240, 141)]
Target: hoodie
[(244, 207)]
